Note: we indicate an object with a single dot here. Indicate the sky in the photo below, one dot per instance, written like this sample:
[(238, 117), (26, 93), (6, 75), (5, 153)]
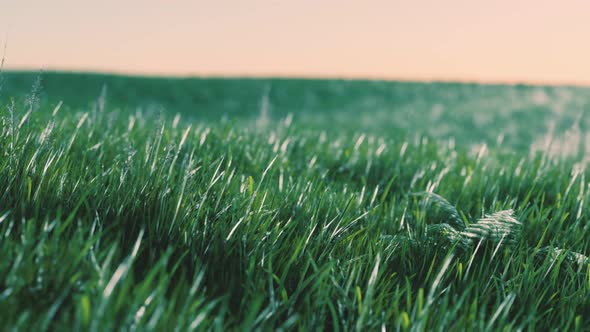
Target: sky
[(529, 41)]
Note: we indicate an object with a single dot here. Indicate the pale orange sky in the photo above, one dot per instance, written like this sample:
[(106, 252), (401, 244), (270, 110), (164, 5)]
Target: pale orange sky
[(536, 41)]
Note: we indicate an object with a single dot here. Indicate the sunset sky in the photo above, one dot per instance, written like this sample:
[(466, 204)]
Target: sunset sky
[(535, 41)]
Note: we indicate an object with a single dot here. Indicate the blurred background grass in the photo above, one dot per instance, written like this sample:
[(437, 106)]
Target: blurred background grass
[(511, 117)]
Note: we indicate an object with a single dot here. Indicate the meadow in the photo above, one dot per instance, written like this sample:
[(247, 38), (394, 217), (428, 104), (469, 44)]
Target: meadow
[(144, 203)]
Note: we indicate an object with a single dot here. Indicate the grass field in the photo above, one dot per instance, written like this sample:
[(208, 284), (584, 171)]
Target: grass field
[(178, 204)]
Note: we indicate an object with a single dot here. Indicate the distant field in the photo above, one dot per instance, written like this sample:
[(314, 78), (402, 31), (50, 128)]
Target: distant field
[(159, 203), (470, 113)]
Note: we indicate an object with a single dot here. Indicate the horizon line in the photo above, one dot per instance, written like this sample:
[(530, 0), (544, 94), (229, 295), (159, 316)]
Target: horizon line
[(306, 76)]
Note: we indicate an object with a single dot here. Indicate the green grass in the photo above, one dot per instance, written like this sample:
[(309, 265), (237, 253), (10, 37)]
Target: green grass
[(164, 204)]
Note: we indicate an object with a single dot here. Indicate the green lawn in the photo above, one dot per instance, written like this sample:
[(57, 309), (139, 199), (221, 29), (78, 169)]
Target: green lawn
[(165, 203)]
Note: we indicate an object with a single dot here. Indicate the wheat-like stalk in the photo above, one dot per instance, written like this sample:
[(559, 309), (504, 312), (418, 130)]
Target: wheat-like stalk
[(448, 208), (501, 228)]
